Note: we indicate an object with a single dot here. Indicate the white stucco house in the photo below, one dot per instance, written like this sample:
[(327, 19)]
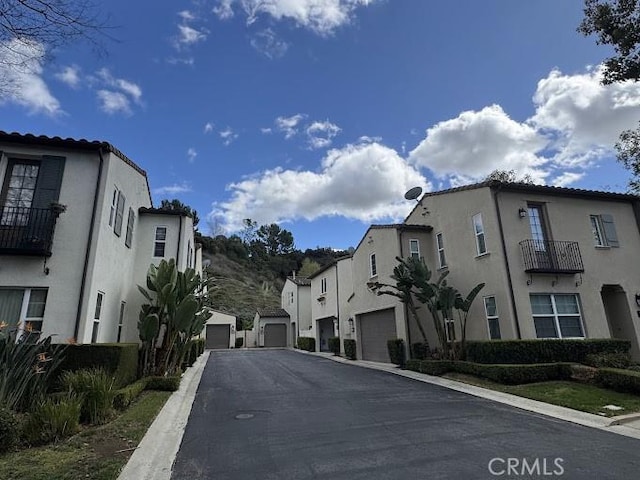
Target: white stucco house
[(220, 330), (295, 299), (272, 328), (78, 232)]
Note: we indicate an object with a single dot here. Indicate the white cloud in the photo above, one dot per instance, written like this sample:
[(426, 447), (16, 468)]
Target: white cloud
[(321, 134), (566, 179), (319, 16), (228, 136), (186, 15), (583, 117), (282, 195), (266, 130), (208, 127), (70, 75), (476, 143), (192, 154), (21, 82), (180, 61), (269, 44), (114, 102), (188, 35), (174, 189), (288, 125)]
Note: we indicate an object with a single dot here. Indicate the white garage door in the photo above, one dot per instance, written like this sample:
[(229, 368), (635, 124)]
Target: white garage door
[(275, 335), (375, 329), (217, 336)]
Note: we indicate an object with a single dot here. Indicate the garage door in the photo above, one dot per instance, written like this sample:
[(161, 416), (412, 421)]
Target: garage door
[(217, 336), (375, 329), (275, 335)]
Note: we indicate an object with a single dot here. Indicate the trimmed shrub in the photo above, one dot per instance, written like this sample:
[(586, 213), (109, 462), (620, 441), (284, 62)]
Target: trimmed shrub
[(120, 360), (200, 346), (583, 373), (239, 342), (334, 345), (619, 380), (9, 429), (165, 384), (53, 419), (95, 389), (307, 343), (123, 397), (395, 347), (420, 351), (350, 348), (608, 360), (541, 351), (507, 374)]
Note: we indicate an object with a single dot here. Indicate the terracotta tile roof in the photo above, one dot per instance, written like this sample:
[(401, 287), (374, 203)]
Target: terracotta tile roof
[(272, 312), (301, 281)]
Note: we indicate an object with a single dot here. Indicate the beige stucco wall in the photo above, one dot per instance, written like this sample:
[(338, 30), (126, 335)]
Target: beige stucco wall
[(345, 291), (299, 309), (69, 241), (260, 322), (221, 318), (323, 305)]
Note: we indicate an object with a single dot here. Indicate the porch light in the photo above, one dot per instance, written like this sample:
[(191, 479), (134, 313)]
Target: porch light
[(351, 326), (522, 212)]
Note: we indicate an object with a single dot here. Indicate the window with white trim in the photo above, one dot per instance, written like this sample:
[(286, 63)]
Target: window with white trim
[(556, 315), (493, 322), (604, 231), (160, 241), (442, 260), (450, 329), (22, 312), (323, 285), (373, 268), (291, 300), (114, 206), (478, 230), (120, 321), (130, 222), (96, 317), (117, 222), (414, 248)]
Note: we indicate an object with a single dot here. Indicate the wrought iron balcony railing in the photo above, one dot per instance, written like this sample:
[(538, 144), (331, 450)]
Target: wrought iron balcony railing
[(27, 231), (550, 256)]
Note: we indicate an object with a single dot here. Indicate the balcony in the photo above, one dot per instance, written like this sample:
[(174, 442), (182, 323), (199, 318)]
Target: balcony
[(549, 256), (27, 231)]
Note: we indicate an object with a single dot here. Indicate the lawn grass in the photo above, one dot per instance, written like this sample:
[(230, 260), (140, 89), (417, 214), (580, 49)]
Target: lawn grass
[(579, 396), (95, 453)]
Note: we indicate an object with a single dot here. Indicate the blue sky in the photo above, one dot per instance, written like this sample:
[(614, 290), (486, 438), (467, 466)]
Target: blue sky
[(320, 114)]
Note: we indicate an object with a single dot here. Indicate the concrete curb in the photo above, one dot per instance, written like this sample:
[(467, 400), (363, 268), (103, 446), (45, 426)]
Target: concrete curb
[(609, 424), (154, 457)]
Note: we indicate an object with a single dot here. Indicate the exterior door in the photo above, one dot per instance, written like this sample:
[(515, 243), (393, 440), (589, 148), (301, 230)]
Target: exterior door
[(619, 318), (325, 332), (537, 223), (275, 335), (376, 328), (217, 336)]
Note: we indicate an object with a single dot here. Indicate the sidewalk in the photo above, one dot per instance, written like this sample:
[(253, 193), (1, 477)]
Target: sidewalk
[(627, 425)]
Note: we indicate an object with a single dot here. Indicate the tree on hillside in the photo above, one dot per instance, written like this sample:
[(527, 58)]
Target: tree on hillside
[(508, 176), (617, 23), (27, 27), (176, 205), (309, 267), (276, 241), (248, 233)]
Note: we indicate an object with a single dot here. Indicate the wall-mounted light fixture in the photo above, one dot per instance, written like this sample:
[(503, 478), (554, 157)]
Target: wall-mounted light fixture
[(638, 299), (522, 212), (351, 325)]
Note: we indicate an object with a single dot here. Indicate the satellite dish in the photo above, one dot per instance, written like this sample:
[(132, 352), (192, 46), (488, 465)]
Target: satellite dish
[(413, 193)]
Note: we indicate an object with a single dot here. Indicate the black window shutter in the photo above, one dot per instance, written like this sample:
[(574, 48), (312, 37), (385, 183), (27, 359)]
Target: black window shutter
[(130, 221), (49, 181), (117, 228), (610, 230)]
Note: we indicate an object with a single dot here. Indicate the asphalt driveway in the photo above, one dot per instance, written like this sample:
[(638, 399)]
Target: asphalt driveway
[(277, 414)]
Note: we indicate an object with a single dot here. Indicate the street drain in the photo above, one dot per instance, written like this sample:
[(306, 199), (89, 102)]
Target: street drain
[(244, 416)]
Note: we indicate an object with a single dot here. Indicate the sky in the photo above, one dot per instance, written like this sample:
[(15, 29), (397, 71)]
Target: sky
[(320, 114)]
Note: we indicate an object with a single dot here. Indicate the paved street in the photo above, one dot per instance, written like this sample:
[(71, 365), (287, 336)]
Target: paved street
[(277, 414)]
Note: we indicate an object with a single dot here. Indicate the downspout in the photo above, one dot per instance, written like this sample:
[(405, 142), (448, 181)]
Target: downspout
[(87, 255), (494, 194), (337, 303), (406, 309), (179, 238)]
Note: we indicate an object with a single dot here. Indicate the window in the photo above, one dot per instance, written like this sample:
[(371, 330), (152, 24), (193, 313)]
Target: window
[(96, 317), (120, 321), (556, 316), (160, 241), (414, 249), (130, 221), (18, 193), (291, 300), (440, 244), (492, 318), (117, 224), (373, 268), (189, 254), (478, 230), (604, 231), (114, 206), (450, 329), (323, 285), (23, 311), (537, 225)]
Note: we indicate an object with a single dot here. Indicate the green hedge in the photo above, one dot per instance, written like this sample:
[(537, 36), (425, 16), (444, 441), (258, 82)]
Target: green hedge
[(118, 359), (619, 380), (124, 396), (350, 348), (395, 347), (307, 343), (420, 351), (165, 384), (507, 374), (9, 429), (239, 342), (608, 360), (334, 345), (541, 351)]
